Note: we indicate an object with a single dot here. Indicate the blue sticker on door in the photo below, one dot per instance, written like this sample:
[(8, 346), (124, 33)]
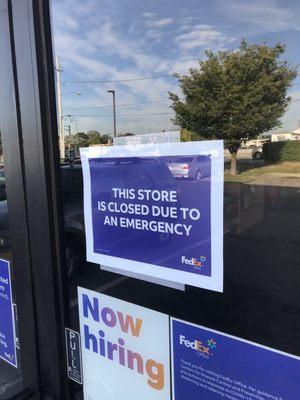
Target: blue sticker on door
[(210, 365), (7, 323)]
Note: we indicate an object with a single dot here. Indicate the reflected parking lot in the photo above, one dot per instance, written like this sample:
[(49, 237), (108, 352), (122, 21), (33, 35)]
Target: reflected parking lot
[(260, 221)]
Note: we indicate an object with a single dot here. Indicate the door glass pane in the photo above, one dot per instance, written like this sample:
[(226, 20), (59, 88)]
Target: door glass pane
[(128, 52), (10, 362)]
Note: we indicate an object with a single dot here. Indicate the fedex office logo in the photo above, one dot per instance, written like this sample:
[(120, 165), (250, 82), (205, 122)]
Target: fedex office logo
[(203, 348), (194, 262)]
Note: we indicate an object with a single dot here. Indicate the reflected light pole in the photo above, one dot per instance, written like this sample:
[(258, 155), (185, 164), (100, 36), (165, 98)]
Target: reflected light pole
[(59, 70), (72, 119), (114, 111)]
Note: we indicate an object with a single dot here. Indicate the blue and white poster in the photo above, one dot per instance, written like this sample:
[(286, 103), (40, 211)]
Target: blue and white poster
[(7, 322), (157, 210), (211, 365)]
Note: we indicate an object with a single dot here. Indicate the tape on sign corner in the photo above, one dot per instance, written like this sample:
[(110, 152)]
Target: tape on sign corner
[(151, 279)]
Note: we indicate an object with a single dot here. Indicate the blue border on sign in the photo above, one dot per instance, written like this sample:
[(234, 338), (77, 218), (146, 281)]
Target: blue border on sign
[(6, 264)]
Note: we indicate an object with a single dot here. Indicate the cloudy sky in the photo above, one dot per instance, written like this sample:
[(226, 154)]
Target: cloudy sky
[(134, 47)]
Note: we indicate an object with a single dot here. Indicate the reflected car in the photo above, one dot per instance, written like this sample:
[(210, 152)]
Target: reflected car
[(149, 174), (257, 153), (190, 167), (72, 196)]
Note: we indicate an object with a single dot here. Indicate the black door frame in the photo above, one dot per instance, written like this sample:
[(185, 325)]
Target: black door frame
[(29, 132)]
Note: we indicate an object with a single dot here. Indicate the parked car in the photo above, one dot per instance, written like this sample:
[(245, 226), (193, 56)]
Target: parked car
[(190, 167), (149, 173), (257, 153), (72, 195)]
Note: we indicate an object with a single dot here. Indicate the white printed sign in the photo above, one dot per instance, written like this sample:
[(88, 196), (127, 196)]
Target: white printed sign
[(125, 349), (156, 211)]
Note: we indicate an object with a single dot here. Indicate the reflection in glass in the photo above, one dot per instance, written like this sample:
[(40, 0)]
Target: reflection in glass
[(10, 377), (134, 48)]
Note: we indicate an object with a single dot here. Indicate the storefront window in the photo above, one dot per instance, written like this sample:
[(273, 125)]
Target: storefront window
[(125, 70)]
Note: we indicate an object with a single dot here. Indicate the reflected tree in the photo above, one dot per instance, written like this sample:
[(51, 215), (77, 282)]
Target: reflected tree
[(235, 95)]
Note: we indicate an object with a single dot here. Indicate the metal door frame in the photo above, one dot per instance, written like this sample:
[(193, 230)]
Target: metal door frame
[(29, 133)]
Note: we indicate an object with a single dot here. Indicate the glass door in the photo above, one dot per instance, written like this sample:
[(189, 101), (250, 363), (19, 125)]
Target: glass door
[(113, 72), (31, 306), (11, 380), (19, 376), (115, 69)]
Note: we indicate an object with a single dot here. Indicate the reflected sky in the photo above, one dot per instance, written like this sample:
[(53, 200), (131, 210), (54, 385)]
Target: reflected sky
[(140, 44)]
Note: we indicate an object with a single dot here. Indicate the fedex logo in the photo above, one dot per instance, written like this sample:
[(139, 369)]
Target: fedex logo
[(204, 349), (197, 263)]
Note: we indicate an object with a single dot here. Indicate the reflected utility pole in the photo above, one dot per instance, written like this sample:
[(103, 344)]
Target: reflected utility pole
[(114, 111), (60, 109)]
